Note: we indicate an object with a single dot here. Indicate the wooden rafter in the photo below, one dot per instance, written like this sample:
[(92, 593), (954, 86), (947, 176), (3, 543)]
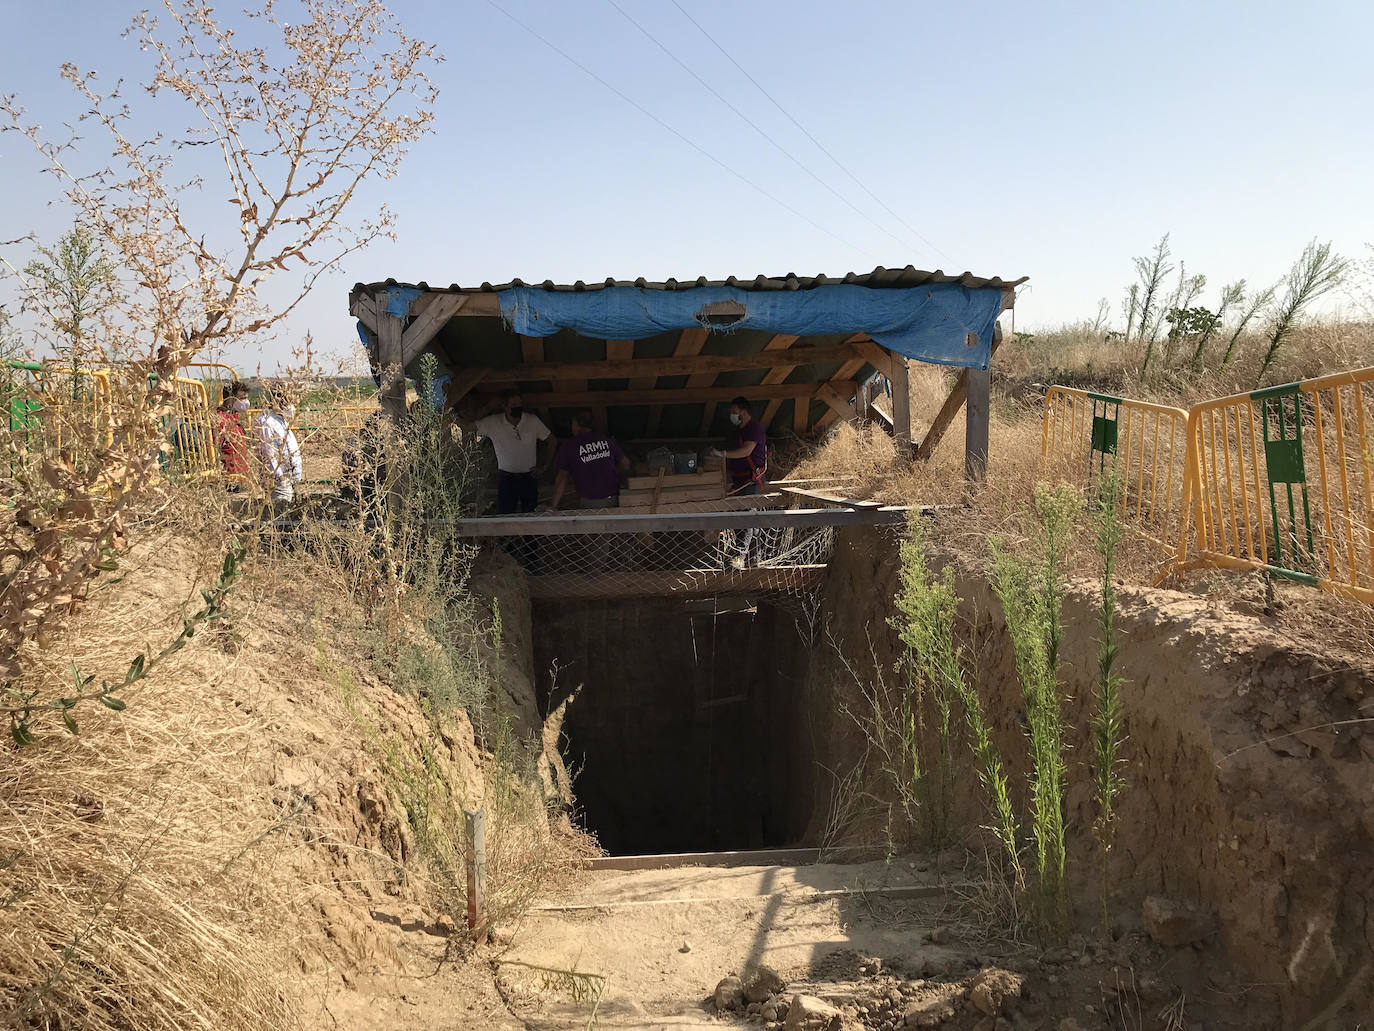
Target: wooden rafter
[(682, 395), (649, 368), (940, 425)]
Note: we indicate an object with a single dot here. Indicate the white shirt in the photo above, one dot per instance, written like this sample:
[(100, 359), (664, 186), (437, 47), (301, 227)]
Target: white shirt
[(516, 444), (281, 454)]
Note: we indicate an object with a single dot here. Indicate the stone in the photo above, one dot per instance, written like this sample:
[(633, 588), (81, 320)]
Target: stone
[(769, 1012), (939, 936), (994, 990), (928, 1013), (808, 1013), (685, 947), (1173, 923), (1068, 1024), (729, 994), (761, 983)]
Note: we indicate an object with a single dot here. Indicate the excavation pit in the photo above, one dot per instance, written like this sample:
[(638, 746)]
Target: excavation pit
[(687, 730)]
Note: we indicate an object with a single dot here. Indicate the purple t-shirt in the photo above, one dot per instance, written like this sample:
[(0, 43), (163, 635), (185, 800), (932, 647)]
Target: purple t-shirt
[(591, 460), (740, 471)]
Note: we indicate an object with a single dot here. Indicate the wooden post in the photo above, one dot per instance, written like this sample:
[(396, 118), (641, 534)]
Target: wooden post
[(976, 424), (475, 824), (901, 405), (390, 360)]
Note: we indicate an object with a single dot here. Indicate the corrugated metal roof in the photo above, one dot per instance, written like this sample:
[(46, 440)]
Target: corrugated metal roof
[(879, 278)]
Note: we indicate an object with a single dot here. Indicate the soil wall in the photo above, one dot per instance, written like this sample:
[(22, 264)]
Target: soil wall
[(1234, 801)]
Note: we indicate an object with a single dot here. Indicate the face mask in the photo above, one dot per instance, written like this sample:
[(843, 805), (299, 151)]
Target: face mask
[(516, 411), (240, 404), (734, 418)]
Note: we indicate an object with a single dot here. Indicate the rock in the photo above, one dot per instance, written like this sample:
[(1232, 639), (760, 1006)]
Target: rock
[(782, 1006), (939, 936), (808, 1013), (928, 1013), (986, 1024), (1068, 1024), (729, 994), (769, 1012), (761, 983), (753, 1009), (685, 947), (993, 990), (875, 966), (1174, 923)]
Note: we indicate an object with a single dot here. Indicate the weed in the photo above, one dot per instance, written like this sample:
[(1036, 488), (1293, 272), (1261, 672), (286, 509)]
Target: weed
[(1316, 272), (1031, 593), (1107, 720)]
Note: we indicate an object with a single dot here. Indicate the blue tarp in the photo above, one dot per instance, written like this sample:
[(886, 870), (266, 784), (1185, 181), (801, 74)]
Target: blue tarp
[(930, 323)]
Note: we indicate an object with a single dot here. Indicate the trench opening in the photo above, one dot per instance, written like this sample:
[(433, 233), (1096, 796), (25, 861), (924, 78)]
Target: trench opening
[(688, 733)]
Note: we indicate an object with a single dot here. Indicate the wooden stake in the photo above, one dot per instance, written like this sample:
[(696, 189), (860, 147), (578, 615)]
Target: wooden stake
[(475, 824)]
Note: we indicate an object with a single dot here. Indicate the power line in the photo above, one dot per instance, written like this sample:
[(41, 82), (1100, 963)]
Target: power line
[(752, 124), (824, 150), (691, 143)]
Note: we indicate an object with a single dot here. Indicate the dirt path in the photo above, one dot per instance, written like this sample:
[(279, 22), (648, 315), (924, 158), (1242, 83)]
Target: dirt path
[(664, 938)]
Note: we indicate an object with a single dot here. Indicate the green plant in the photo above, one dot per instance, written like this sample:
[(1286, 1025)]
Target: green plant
[(1231, 295), (1031, 592), (1108, 733), (1151, 271), (1257, 303), (215, 601), (1316, 272), (72, 287), (927, 607)]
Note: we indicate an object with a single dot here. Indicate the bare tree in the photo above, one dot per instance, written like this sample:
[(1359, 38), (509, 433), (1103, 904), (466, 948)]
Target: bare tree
[(1316, 272), (1151, 271), (1232, 294), (1257, 303), (298, 119)]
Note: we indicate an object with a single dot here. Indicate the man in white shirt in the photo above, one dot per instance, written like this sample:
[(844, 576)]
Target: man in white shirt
[(516, 433), (278, 448)]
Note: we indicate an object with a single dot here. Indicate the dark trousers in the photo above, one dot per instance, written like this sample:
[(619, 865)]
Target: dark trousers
[(516, 492)]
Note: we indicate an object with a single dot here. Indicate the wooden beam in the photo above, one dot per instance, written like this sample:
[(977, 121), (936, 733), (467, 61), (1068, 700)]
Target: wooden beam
[(979, 388), (364, 309), (679, 396), (901, 404), (390, 366), (776, 374), (429, 319), (532, 350), (463, 381), (615, 367), (608, 521), (842, 409), (952, 404)]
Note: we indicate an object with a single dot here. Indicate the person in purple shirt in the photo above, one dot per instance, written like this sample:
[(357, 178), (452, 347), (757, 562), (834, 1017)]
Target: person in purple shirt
[(746, 460), (593, 462)]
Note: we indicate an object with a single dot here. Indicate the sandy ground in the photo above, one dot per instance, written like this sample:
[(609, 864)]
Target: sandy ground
[(664, 938)]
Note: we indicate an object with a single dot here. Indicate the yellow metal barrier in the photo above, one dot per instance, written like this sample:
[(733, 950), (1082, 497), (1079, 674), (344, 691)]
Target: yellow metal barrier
[(1143, 444), (1248, 488), (193, 428)]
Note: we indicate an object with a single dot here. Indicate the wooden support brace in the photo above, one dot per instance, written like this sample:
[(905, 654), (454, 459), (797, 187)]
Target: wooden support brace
[(681, 395), (689, 343), (951, 407)]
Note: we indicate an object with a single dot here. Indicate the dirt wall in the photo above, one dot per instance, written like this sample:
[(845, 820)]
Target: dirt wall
[(1242, 795)]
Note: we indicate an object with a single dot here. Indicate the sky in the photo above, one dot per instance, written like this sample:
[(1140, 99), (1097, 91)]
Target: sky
[(1050, 140)]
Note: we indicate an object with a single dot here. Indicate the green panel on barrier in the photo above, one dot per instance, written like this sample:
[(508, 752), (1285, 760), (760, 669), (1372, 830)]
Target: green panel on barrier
[(1284, 467), (1106, 412)]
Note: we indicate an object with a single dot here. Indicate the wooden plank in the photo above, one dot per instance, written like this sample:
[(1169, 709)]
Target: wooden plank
[(838, 404), (676, 583), (812, 494), (952, 404), (668, 480), (684, 395), (801, 414), (639, 498), (608, 521), (619, 364), (979, 389), (877, 356), (689, 343), (532, 350)]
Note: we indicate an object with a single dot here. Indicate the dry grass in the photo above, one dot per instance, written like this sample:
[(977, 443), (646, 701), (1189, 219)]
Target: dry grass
[(135, 894)]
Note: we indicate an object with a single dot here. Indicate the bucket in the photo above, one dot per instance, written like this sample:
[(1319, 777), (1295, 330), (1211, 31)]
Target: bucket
[(660, 458), (685, 462)]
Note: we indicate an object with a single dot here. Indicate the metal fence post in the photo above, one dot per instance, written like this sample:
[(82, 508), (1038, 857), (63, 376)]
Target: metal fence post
[(475, 825)]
